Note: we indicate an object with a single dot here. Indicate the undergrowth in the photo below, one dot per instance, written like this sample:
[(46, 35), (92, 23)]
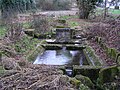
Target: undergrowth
[(26, 44)]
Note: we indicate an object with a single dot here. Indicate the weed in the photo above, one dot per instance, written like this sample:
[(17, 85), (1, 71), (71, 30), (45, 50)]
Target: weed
[(2, 31)]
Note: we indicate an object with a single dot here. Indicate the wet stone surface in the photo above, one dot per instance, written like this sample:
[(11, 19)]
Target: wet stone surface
[(61, 57)]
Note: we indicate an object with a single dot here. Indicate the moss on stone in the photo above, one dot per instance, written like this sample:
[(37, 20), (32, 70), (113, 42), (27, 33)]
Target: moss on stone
[(107, 74), (118, 58), (34, 53), (52, 46), (104, 47), (37, 50), (62, 21), (75, 82), (85, 80), (118, 61), (62, 69), (91, 54), (2, 70), (113, 53), (119, 71), (0, 57), (108, 52), (60, 27), (98, 39), (29, 32), (64, 79), (75, 47), (92, 73), (83, 87), (87, 58)]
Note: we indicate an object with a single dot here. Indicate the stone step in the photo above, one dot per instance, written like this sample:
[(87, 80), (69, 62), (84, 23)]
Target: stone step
[(60, 46)]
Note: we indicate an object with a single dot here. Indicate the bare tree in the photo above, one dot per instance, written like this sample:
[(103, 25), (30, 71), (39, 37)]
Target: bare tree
[(86, 7), (116, 4), (10, 8), (105, 13)]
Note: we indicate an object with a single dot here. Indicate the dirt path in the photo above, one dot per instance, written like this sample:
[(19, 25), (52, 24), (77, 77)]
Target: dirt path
[(53, 13), (60, 13)]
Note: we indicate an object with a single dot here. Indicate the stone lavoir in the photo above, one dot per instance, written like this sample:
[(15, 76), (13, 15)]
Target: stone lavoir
[(75, 58), (63, 50)]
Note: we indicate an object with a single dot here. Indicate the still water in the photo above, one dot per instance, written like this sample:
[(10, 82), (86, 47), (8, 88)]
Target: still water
[(61, 57)]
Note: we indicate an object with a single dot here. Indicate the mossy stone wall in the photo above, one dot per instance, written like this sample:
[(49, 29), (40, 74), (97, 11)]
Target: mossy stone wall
[(111, 52), (107, 74)]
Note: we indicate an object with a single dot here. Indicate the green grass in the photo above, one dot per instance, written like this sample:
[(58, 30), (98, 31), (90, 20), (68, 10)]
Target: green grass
[(68, 17), (111, 11), (26, 44), (3, 31), (115, 12), (26, 25), (73, 23), (1, 70)]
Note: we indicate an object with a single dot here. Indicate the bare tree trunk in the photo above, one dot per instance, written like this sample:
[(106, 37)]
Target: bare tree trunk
[(0, 57), (105, 13), (83, 14), (116, 4), (83, 10)]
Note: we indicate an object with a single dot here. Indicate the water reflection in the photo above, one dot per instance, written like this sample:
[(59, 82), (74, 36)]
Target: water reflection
[(61, 57)]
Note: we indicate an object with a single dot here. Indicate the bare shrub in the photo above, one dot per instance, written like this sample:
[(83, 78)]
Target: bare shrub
[(40, 23), (53, 4), (109, 31), (14, 31)]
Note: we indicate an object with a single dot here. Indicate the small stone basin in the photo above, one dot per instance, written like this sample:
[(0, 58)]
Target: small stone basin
[(61, 57)]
